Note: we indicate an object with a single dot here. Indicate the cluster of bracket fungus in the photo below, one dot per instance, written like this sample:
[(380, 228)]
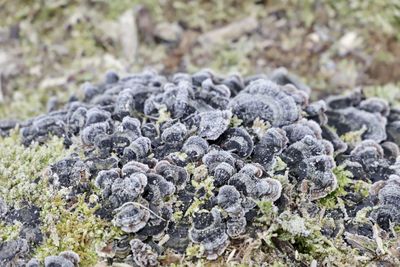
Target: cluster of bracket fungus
[(64, 259), (199, 162)]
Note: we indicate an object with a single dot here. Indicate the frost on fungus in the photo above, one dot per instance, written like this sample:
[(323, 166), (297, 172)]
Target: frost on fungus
[(180, 169)]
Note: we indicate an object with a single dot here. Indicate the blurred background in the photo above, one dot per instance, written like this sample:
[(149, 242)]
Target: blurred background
[(48, 48)]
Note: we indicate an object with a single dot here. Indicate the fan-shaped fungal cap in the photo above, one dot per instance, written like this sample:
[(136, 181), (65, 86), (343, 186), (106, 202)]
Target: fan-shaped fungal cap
[(195, 147), (124, 104), (137, 149), (366, 145), (131, 217), (320, 180), (175, 134), (328, 147), (143, 254), (329, 134), (236, 226), (150, 130), (265, 100), (344, 101), (105, 179), (375, 104), (234, 82), (390, 192), (271, 144), (390, 150), (222, 173), (96, 115), (111, 77), (181, 76), (300, 97), (229, 199), (386, 215), (134, 166), (93, 131), (158, 188), (368, 153), (172, 173), (394, 114), (77, 120), (252, 169), (52, 261), (269, 189), (316, 111), (213, 123), (159, 220), (68, 171), (305, 148), (216, 89), (393, 131), (266, 189), (237, 140), (214, 157), (128, 188), (353, 119), (13, 249), (96, 164), (33, 263), (387, 212), (297, 131), (201, 75), (208, 230), (131, 126), (71, 256), (174, 97), (90, 90), (282, 77)]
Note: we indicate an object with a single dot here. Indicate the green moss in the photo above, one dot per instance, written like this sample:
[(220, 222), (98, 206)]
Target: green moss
[(260, 126), (266, 207), (190, 168), (181, 155), (177, 216), (194, 207), (343, 180), (278, 264), (194, 251), (268, 212), (9, 232), (207, 184), (362, 188), (353, 137), (74, 228), (390, 92), (235, 121), (280, 165), (164, 115), (20, 166), (65, 226), (343, 177)]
